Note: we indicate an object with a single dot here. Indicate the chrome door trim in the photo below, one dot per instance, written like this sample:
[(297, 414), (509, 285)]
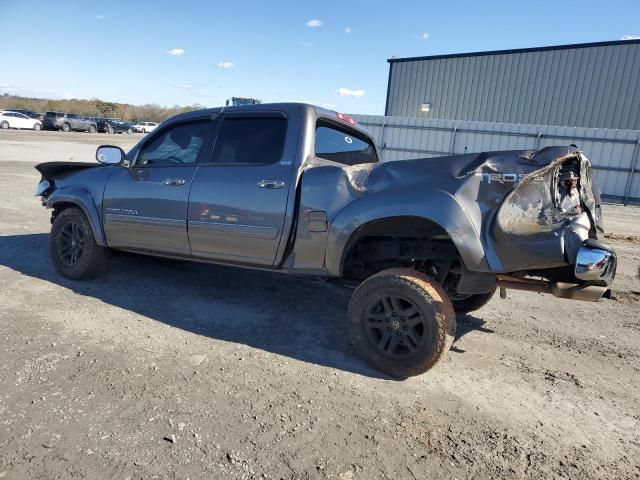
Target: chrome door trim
[(234, 230), (116, 218)]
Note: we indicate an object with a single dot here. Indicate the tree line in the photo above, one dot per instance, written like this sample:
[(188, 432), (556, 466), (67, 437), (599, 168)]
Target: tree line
[(96, 108)]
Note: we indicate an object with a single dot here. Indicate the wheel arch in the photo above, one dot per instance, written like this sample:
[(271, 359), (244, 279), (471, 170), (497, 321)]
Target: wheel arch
[(429, 208), (76, 197)]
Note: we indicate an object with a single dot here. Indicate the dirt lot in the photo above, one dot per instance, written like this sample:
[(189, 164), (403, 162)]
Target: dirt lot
[(250, 375)]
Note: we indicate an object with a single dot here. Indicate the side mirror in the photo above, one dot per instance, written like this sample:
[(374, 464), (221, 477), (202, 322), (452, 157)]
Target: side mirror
[(110, 155)]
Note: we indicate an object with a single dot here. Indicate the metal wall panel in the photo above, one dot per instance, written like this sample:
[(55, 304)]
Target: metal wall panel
[(588, 86), (615, 154)]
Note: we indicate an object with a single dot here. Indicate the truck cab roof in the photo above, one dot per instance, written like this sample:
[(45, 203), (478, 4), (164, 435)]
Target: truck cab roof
[(304, 108)]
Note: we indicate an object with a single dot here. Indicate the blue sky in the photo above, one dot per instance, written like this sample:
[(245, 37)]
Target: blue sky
[(331, 53)]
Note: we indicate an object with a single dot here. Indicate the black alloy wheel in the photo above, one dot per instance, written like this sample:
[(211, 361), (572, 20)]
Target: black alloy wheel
[(71, 243), (395, 325), (401, 322)]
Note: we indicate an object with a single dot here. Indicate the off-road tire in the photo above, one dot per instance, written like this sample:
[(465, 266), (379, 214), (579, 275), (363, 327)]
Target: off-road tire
[(4, 125), (471, 303), (92, 129), (37, 127), (427, 297), (93, 259), (66, 127)]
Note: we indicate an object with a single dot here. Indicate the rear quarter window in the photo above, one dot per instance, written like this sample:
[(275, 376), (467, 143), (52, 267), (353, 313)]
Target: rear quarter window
[(343, 146)]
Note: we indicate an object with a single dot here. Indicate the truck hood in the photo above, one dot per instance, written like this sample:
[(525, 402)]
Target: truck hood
[(50, 170)]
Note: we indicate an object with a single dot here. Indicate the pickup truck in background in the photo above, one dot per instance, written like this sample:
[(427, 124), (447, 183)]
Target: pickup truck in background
[(300, 190), (68, 122)]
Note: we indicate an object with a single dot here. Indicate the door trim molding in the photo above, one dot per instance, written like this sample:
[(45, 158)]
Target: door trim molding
[(234, 230), (136, 219)]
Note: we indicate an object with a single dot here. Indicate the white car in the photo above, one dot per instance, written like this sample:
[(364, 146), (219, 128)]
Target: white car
[(145, 127), (18, 120)]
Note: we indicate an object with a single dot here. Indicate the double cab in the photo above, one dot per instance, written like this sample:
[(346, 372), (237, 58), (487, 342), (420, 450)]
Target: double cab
[(301, 190)]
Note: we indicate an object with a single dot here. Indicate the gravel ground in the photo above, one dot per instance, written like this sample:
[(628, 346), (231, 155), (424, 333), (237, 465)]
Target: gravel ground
[(165, 369)]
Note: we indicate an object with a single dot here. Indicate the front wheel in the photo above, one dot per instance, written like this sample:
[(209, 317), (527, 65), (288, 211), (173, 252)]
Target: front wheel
[(37, 127), (92, 129), (66, 127), (401, 322), (129, 132), (73, 248), (4, 125)]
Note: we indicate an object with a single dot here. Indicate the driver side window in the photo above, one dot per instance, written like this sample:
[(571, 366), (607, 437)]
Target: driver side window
[(177, 145)]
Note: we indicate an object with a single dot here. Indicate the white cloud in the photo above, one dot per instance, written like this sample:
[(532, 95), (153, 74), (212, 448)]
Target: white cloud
[(424, 36), (185, 86), (347, 30), (346, 92), (100, 17), (631, 37), (306, 44), (226, 65), (314, 23), (176, 52)]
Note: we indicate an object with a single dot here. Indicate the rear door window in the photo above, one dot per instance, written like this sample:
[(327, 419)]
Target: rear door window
[(343, 146), (250, 140)]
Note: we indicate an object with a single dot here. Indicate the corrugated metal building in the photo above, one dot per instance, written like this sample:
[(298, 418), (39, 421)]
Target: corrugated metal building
[(585, 85)]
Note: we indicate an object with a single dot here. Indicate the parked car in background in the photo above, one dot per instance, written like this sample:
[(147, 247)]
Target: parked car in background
[(121, 127), (28, 113), (9, 119), (68, 122), (50, 120), (103, 125), (144, 127)]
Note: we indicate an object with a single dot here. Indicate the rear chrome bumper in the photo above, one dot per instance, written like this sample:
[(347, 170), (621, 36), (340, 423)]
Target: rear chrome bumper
[(596, 263)]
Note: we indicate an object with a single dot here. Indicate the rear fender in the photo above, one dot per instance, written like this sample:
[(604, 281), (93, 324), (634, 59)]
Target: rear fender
[(434, 205), (84, 200)]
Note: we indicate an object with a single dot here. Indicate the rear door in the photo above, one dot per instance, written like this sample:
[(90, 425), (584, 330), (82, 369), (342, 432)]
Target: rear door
[(238, 200), (145, 206)]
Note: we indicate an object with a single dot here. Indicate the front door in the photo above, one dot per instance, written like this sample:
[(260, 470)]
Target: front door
[(238, 201), (145, 206)]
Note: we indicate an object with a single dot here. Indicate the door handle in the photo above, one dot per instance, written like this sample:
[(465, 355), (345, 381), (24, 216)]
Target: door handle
[(174, 182), (271, 184)]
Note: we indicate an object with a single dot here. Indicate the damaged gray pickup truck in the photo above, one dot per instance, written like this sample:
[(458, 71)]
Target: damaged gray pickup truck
[(298, 189)]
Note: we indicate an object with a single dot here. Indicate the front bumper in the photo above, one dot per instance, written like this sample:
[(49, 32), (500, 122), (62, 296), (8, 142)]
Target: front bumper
[(596, 263)]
